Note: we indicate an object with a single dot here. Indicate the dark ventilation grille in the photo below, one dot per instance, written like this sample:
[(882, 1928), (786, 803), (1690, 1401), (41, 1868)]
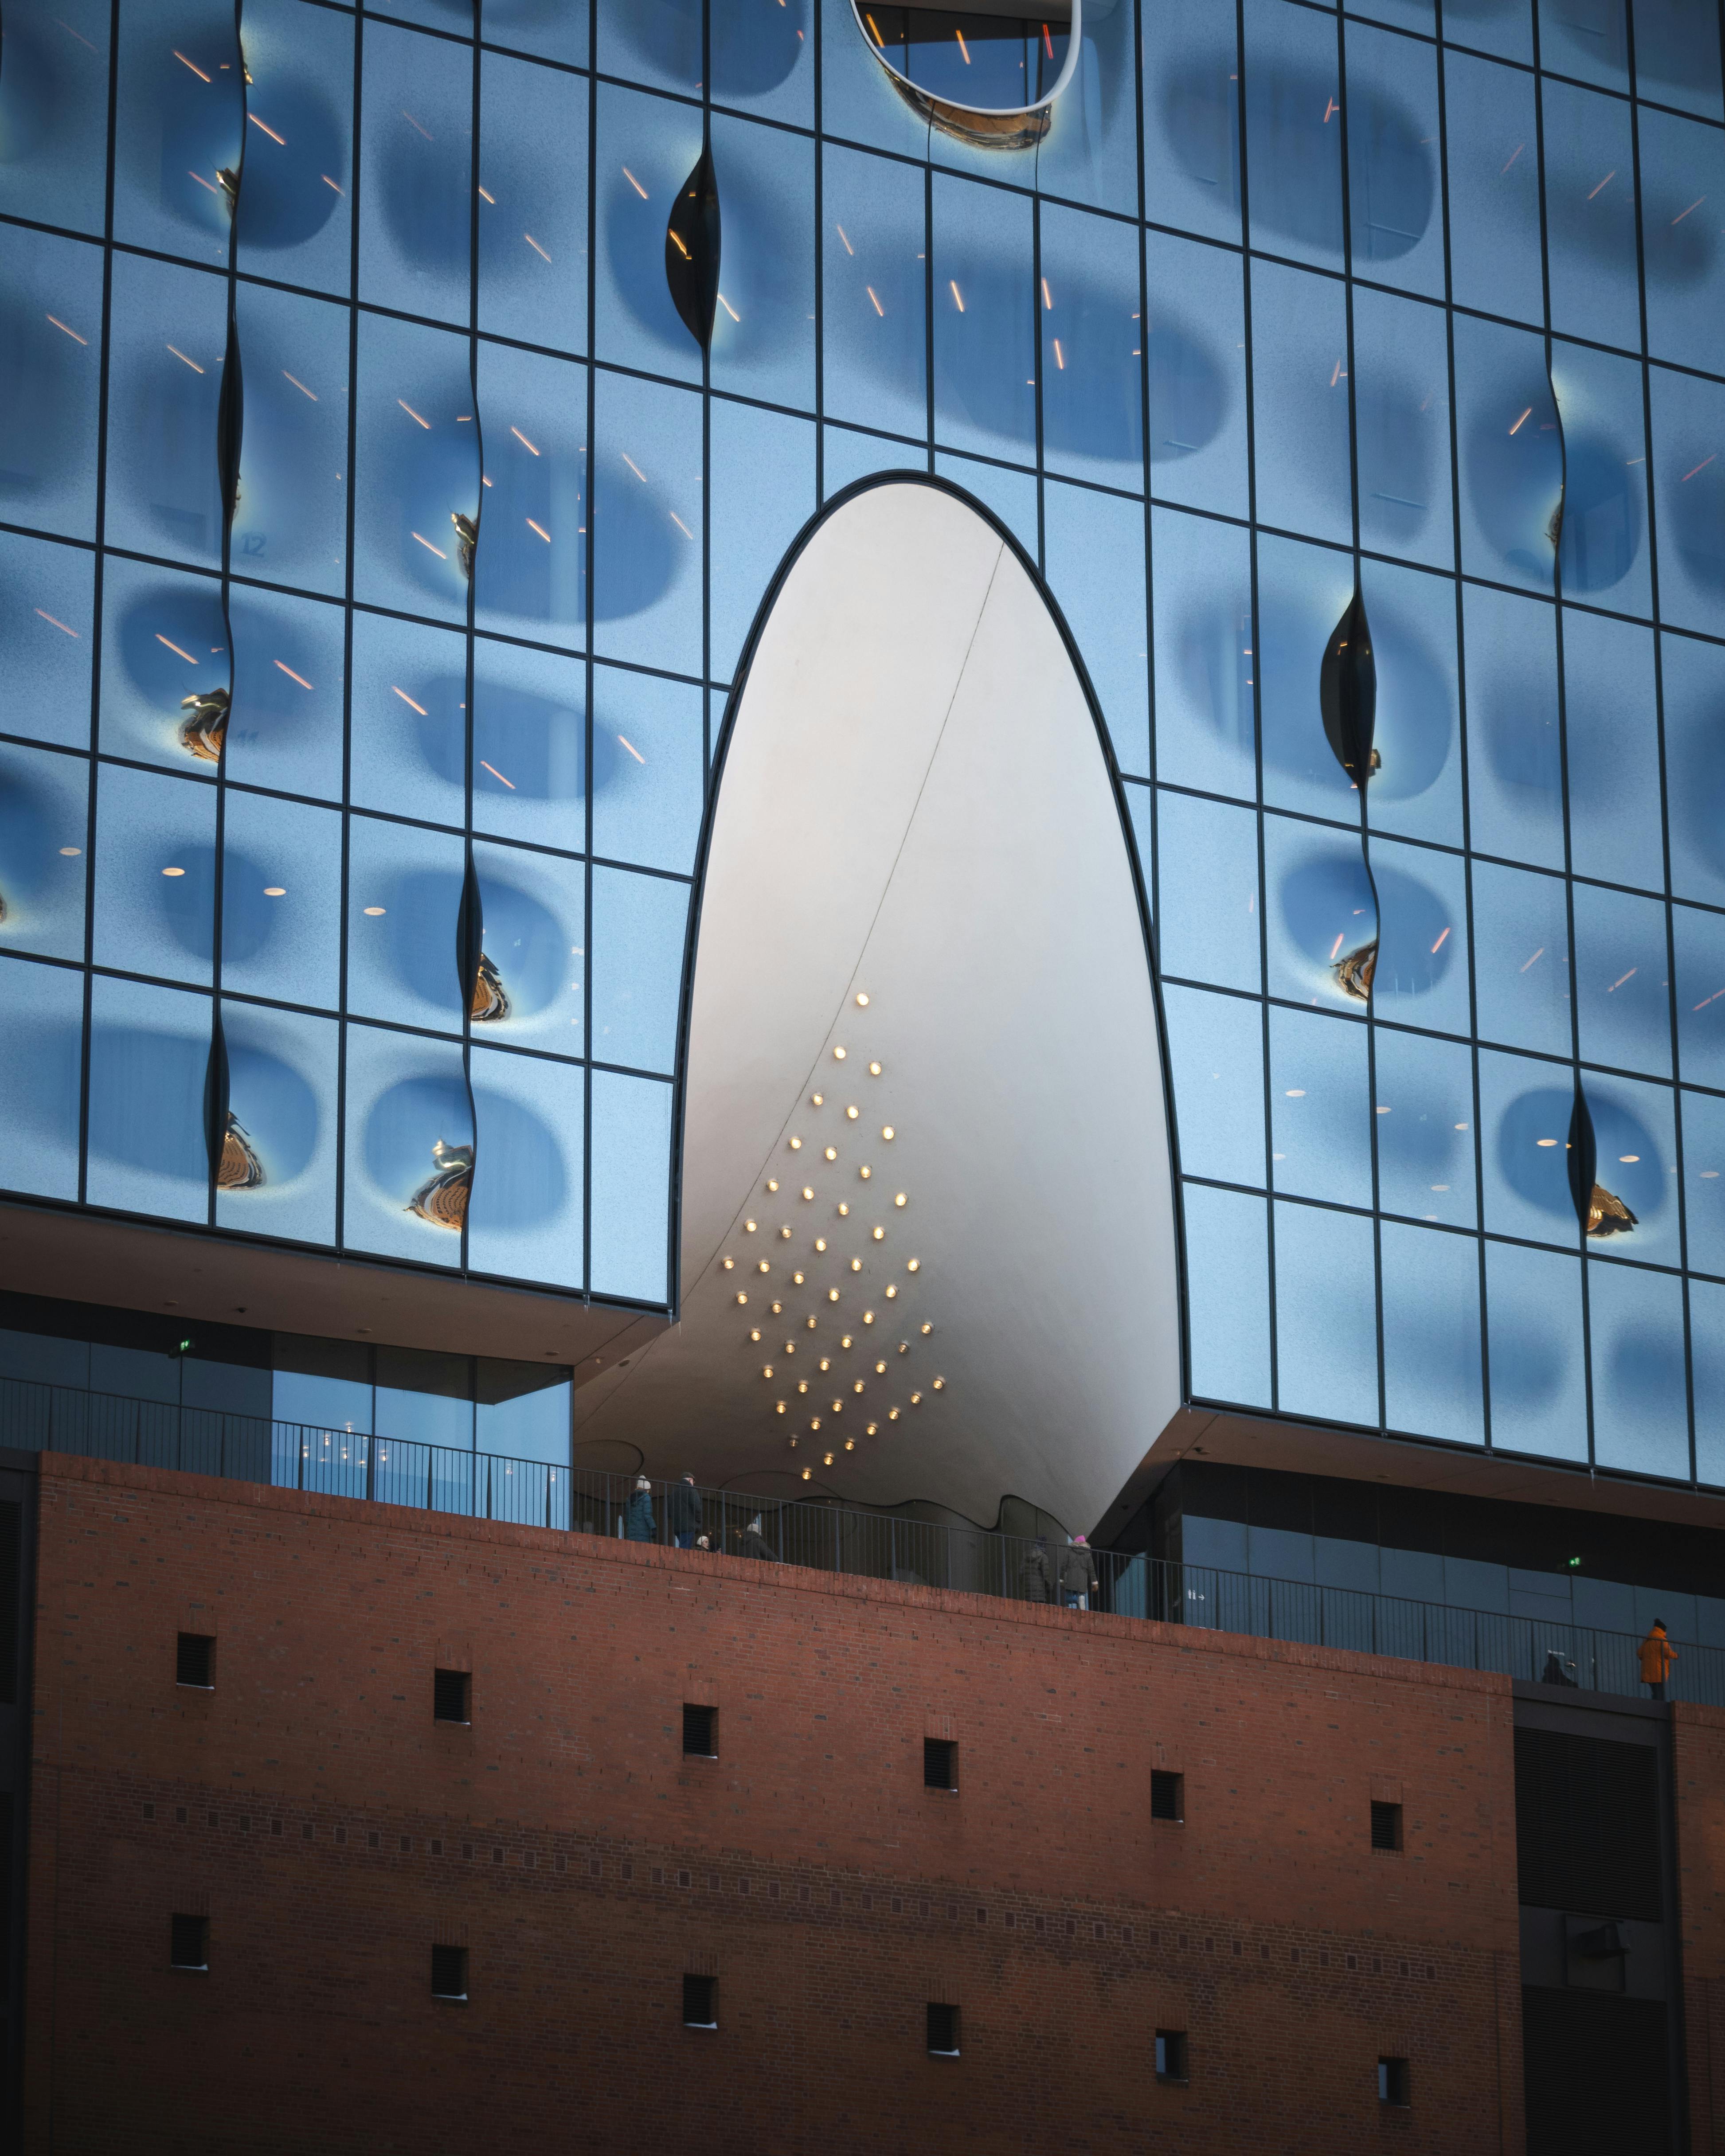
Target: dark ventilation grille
[(940, 1763), (449, 1972), (700, 1732), (1171, 2055), (692, 250), (1395, 2083), (451, 1696), (6, 1831), (1348, 692), (195, 1660), (188, 1941), (12, 1521), (1587, 1825), (1167, 1795), (943, 2031), (700, 2002), (1596, 2072), (1386, 1826)]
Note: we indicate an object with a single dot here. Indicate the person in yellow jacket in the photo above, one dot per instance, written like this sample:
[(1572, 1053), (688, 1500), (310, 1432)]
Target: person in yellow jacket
[(1657, 1654)]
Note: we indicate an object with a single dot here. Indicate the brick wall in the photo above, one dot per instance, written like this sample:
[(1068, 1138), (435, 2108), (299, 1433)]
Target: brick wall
[(332, 1831), (1698, 1776)]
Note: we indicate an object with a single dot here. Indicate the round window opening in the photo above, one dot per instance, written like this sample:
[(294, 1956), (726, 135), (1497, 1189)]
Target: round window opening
[(987, 71)]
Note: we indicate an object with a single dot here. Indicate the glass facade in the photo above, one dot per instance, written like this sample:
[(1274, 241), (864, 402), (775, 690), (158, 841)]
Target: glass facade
[(407, 408)]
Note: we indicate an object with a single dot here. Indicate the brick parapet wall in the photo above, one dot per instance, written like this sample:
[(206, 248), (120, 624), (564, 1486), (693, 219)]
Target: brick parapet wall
[(1699, 1779)]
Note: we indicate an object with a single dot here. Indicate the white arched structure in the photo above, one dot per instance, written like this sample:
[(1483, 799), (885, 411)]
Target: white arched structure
[(916, 861)]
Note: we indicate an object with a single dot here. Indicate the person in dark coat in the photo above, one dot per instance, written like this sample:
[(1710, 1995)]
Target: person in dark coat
[(1036, 1578), (638, 1524), (1078, 1574), (751, 1543), (682, 1512)]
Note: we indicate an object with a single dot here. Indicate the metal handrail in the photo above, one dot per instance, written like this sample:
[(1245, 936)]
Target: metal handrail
[(825, 1536)]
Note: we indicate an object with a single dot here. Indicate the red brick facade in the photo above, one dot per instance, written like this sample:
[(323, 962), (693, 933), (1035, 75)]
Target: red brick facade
[(1698, 1773), (332, 1832)]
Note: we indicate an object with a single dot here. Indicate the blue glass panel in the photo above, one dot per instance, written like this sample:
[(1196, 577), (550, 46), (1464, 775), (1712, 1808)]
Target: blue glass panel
[(1524, 1125), (873, 273), (763, 57), (647, 524), (1521, 953), (419, 468), (1533, 1334), (1394, 193), (1689, 488), (46, 603), (1635, 1133), (1300, 392), (764, 329), (44, 827), (532, 557), (535, 911), (148, 921), (290, 525), (1216, 1058), (166, 350), (407, 1107), (409, 735), (1228, 1294), (1326, 1315), (1293, 132), (281, 1090), (285, 730), (1640, 1389), (1514, 738), (416, 201), (529, 746), (652, 41), (426, 1397), (1302, 593), (857, 97), (1204, 653), (551, 29), (630, 1189), (984, 320), (1432, 1381), (1611, 731), (1704, 1180), (847, 456), (1206, 902), (518, 1424), (1011, 494), (1603, 549), (532, 250), (1417, 788), (638, 925), (1196, 355), (1192, 118), (294, 220), (1682, 188), (526, 1218), (762, 494), (1622, 980), (403, 889), (1700, 939), (1677, 55), (1090, 151), (1094, 560), (1583, 38), (41, 1056), (1694, 684), (177, 128), (647, 148), (1512, 454), (1494, 187), (1420, 977), (1590, 216), (1320, 1108), (149, 1052), (1322, 913), (1402, 422), (1424, 1105), (53, 112), (648, 769), (1706, 1349), (51, 361), (1503, 27), (165, 641), (281, 901)]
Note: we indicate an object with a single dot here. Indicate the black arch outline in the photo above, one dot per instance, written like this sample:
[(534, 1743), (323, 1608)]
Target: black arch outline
[(769, 599)]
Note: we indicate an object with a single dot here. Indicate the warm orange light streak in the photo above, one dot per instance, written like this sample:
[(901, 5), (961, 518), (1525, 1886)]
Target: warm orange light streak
[(1336, 947), (174, 647), (282, 666), (633, 466), (963, 46), (1513, 155), (328, 183), (522, 439), (485, 195), (299, 385), (193, 65), (1060, 357), (1683, 213), (1518, 427), (536, 246), (874, 32), (676, 242), (729, 309), (407, 699), (539, 529), (1700, 467), (879, 308), (1621, 978), (634, 183), (1439, 945), (1539, 953), (680, 524), (269, 130), (632, 750), (71, 333), (957, 297), (1047, 301), (203, 183), (52, 623), (497, 775), (839, 229), (1605, 182), (429, 548), (413, 414)]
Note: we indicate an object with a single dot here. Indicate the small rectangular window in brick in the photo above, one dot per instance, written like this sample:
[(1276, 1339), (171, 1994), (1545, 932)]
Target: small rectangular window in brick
[(1171, 2055), (700, 1732), (188, 1941), (940, 1764), (1167, 1795), (451, 1696), (195, 1660), (943, 2030), (449, 1972), (1386, 1825), (700, 2002), (1394, 2082)]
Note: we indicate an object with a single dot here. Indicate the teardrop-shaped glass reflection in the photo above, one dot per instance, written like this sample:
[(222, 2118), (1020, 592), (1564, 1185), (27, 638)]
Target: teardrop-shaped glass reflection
[(1347, 691), (691, 249), (1600, 1212), (987, 78)]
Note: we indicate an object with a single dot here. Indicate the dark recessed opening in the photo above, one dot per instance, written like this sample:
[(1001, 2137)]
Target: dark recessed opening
[(188, 1941), (940, 1763), (449, 1972), (195, 1660), (700, 2002), (1394, 2084), (942, 2030), (1386, 1826), (700, 1731), (1171, 2055), (451, 1696), (1167, 1795)]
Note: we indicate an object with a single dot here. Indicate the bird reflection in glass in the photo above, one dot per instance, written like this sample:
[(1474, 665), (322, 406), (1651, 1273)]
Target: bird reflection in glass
[(1354, 970), (1608, 1215), (442, 1198), (206, 725), (489, 999)]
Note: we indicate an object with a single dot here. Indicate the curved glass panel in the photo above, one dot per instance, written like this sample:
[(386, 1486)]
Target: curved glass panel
[(527, 1215), (647, 761), (1433, 1383), (1533, 1332), (154, 875), (1424, 1125), (294, 218), (1216, 1051), (281, 1092), (531, 561), (53, 112), (281, 900), (403, 889), (1320, 1108), (417, 483), (149, 1052), (41, 1055), (409, 1145), (416, 204), (1640, 1391), (291, 522), (631, 1165), (533, 259), (535, 940), (1326, 1315), (50, 345), (44, 828), (47, 643)]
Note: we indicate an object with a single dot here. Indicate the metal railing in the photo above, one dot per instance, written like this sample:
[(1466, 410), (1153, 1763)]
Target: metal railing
[(822, 1536)]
